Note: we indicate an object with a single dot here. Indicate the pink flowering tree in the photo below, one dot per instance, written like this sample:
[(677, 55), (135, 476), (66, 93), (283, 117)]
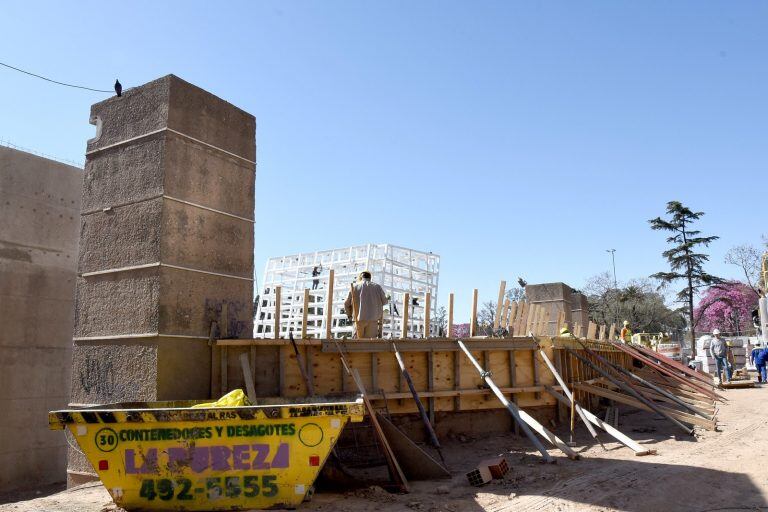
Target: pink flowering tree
[(727, 306), (461, 330)]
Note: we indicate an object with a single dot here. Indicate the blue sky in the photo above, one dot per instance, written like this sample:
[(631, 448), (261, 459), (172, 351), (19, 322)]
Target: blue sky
[(512, 138)]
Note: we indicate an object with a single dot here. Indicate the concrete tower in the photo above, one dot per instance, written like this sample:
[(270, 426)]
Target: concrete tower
[(166, 244)]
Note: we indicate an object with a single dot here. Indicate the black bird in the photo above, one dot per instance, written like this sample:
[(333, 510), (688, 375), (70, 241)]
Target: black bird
[(118, 88)]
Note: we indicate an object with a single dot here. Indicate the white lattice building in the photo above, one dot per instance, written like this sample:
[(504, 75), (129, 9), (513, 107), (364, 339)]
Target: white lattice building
[(397, 269)]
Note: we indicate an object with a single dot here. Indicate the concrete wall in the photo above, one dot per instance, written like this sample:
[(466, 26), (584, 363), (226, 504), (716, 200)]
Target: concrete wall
[(166, 242), (39, 221)]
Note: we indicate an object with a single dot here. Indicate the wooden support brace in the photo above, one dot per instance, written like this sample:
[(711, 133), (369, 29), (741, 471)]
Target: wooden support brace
[(329, 307), (497, 316)]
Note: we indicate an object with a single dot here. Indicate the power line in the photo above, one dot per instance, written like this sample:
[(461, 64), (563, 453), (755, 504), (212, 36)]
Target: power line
[(54, 81)]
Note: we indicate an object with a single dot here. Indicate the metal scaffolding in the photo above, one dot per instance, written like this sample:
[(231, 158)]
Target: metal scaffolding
[(397, 269)]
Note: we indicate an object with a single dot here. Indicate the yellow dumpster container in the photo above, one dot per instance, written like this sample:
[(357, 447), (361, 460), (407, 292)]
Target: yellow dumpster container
[(167, 456)]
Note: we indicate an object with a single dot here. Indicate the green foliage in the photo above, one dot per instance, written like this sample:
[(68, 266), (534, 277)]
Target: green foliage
[(638, 301), (686, 262)]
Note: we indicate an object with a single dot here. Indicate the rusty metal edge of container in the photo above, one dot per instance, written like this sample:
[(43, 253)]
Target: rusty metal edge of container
[(170, 411)]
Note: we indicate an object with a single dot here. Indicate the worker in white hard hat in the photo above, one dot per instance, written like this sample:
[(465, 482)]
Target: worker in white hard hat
[(626, 333), (369, 300), (718, 349)]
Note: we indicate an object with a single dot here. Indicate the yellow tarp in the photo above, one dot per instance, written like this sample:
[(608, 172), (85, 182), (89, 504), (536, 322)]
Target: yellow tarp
[(235, 398)]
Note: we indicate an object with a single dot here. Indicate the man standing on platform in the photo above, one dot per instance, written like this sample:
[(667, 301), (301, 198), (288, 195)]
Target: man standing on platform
[(369, 300)]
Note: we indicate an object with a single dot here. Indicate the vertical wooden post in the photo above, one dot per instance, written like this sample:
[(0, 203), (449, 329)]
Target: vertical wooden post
[(406, 310), (304, 314), (505, 316), (512, 319), (450, 316), (473, 319), (431, 385), (329, 306), (278, 299), (224, 322), (427, 309), (456, 378), (497, 317)]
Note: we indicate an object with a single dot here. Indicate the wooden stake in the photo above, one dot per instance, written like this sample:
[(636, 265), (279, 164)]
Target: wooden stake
[(427, 310), (278, 300), (473, 319), (329, 306), (304, 314), (248, 377), (511, 319), (406, 310), (497, 317), (450, 315)]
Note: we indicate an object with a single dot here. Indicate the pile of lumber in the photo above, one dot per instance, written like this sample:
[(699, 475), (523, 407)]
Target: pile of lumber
[(657, 384)]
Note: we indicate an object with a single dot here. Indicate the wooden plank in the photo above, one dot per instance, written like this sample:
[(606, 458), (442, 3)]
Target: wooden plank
[(618, 435), (497, 317), (513, 383), (248, 377), (411, 345), (278, 312), (427, 311), (406, 309), (224, 360), (591, 331), (304, 314), (457, 380), (281, 370), (627, 400), (505, 316), (535, 365), (396, 472), (523, 417), (329, 306), (416, 463), (450, 315), (612, 332), (473, 315), (511, 318), (431, 384)]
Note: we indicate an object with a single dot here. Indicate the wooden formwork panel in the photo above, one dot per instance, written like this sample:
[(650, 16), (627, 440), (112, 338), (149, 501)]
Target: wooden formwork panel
[(444, 378)]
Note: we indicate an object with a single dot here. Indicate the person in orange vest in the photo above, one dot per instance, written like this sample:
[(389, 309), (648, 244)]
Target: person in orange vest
[(626, 333)]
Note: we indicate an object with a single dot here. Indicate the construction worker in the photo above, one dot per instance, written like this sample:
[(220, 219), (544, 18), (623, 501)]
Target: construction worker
[(759, 357), (719, 351), (626, 333), (369, 299)]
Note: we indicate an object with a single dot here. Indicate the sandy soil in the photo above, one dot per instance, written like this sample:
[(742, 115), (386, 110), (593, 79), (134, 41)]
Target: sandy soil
[(714, 471)]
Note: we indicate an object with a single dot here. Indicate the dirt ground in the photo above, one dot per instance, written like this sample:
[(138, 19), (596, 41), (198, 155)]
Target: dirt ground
[(714, 471)]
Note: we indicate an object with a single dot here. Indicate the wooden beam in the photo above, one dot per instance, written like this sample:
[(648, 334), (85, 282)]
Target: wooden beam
[(406, 309), (449, 334), (473, 317), (497, 317), (427, 310), (627, 400), (525, 419), (329, 306), (248, 377), (304, 314), (412, 345), (278, 300), (457, 380)]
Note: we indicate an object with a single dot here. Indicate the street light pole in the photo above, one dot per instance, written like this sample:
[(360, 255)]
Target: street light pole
[(615, 283)]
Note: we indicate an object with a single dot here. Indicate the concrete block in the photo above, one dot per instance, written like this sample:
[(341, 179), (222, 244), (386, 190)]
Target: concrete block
[(122, 237), (189, 301), (125, 174), (208, 177), (205, 240), (122, 303)]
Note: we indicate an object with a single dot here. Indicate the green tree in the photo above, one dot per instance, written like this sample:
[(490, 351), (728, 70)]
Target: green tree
[(686, 262)]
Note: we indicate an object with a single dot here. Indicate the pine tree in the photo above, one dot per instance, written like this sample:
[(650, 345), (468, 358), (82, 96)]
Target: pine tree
[(684, 260)]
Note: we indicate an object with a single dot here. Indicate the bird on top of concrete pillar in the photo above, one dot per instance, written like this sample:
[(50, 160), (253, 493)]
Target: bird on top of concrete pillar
[(118, 88)]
